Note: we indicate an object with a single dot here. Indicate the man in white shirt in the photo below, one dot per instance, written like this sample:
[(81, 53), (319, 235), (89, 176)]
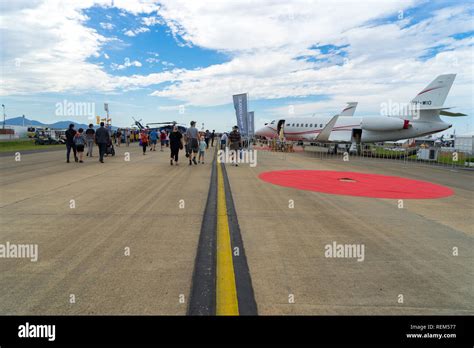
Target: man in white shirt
[(223, 141)]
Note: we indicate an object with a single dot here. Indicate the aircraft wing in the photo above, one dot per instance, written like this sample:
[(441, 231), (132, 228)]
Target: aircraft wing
[(323, 136)]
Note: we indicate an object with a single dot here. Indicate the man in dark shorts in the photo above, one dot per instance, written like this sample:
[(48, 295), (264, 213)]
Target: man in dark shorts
[(70, 143), (235, 141), (192, 136), (80, 141)]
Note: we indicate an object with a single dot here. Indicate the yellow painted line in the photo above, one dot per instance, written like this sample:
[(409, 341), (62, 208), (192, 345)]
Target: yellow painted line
[(226, 292)]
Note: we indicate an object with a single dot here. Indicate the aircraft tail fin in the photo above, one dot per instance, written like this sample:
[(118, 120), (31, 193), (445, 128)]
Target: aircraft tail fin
[(432, 97), (349, 109)]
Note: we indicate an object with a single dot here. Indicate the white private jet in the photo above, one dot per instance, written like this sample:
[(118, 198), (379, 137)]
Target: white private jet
[(423, 119)]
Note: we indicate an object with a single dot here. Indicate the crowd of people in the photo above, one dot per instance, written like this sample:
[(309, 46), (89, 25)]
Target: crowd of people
[(78, 140), (194, 142)]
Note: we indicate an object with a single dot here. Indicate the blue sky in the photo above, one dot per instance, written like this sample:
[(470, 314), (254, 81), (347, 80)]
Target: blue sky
[(147, 58)]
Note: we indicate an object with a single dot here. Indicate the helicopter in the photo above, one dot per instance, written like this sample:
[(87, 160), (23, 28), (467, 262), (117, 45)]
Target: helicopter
[(159, 126)]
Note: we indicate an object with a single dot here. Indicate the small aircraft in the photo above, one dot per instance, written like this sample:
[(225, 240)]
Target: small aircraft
[(423, 119)]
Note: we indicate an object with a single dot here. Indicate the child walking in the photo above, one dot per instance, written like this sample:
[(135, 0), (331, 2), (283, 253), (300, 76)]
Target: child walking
[(202, 149)]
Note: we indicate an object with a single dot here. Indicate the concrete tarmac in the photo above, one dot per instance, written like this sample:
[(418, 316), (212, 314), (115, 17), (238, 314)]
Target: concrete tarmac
[(408, 252), (118, 205), (408, 266)]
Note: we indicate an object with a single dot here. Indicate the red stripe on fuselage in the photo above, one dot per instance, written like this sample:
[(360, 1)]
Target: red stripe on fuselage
[(318, 130)]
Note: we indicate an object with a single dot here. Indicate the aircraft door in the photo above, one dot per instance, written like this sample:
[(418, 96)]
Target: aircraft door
[(356, 140), (281, 129), (356, 135)]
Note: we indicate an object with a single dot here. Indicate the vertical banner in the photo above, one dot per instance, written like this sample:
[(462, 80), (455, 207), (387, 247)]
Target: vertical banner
[(106, 108), (240, 106), (251, 124)]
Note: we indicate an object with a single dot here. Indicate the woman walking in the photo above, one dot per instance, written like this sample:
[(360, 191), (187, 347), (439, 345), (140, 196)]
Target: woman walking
[(176, 144), (80, 141), (144, 140)]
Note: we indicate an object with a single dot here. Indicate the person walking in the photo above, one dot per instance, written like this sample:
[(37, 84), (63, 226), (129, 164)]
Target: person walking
[(70, 143), (153, 139), (80, 141), (192, 136), (144, 140), (223, 140), (213, 135), (202, 149), (102, 137), (186, 145), (162, 139), (167, 140), (119, 137), (127, 137), (90, 139), (176, 144), (207, 137), (235, 143)]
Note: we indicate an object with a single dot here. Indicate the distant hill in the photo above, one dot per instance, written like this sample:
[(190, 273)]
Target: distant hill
[(18, 121)]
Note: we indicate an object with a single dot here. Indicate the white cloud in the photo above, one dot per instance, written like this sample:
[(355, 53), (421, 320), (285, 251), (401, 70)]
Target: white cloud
[(263, 40), (135, 32), (167, 64), (127, 63), (54, 46), (153, 20), (134, 7), (152, 60), (382, 60), (107, 26)]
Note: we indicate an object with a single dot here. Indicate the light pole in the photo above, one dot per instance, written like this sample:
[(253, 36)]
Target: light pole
[(4, 115)]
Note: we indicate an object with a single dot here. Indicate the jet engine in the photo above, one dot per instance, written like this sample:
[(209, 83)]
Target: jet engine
[(384, 124)]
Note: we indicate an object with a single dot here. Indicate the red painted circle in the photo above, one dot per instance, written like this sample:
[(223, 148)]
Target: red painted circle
[(356, 184)]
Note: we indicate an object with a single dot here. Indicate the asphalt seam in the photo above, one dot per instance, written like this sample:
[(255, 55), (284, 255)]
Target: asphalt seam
[(226, 290), (245, 294), (202, 299)]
